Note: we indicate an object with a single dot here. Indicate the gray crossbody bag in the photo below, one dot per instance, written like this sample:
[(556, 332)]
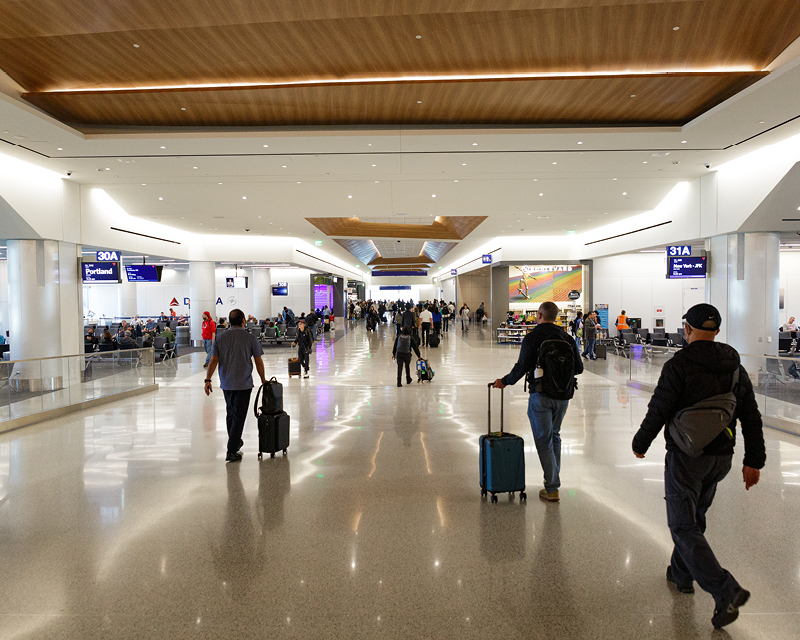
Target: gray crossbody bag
[(695, 427)]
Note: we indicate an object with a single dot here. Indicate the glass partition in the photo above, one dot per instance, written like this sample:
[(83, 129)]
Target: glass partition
[(28, 387)]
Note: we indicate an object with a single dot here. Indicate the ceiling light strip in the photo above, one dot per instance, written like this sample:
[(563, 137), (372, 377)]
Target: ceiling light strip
[(661, 224), (143, 235), (409, 79)]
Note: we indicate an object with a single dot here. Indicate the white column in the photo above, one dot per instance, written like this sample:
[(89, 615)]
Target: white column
[(744, 283), (262, 293), (3, 296), (202, 296), (70, 283), (128, 305)]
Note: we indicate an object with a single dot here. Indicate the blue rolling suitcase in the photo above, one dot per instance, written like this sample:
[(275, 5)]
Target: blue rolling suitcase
[(502, 460)]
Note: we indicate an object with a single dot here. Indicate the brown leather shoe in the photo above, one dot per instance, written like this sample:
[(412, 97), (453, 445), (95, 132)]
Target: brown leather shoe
[(550, 497)]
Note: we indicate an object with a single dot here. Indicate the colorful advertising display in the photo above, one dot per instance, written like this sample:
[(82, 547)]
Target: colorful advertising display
[(536, 284), (323, 296)]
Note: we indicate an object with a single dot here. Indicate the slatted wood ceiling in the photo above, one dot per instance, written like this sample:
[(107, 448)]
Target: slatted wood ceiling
[(48, 45)]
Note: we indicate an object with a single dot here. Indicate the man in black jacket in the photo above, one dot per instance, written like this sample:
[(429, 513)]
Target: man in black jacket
[(304, 343), (545, 413), (404, 343), (698, 371)]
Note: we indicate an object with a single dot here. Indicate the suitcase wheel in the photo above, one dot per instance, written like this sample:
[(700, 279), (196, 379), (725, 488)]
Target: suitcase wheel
[(494, 498), (523, 496), (510, 496), (483, 493), (271, 455), (284, 453), (260, 455)]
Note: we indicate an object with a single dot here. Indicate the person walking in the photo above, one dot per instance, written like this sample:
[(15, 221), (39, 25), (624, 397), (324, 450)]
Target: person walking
[(445, 311), (700, 371), (576, 327), (622, 323), (589, 335), (464, 319), (426, 322), (304, 343), (233, 351), (551, 368), (480, 313), (403, 346), (209, 330), (437, 319)]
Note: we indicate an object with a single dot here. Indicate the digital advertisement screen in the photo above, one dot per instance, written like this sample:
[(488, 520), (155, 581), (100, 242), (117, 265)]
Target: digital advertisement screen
[(686, 267), (100, 272), (532, 283), (280, 291), (323, 295), (143, 272), (236, 283)]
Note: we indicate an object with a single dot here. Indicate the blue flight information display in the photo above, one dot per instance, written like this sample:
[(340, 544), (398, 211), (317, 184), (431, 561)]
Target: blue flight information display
[(143, 272), (100, 271), (686, 267)]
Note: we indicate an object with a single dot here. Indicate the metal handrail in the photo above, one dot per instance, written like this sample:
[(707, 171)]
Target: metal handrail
[(78, 355)]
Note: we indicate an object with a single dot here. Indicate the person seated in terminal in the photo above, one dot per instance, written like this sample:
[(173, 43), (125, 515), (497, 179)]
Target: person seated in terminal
[(790, 325), (89, 338), (222, 324), (147, 340), (150, 325), (170, 336), (251, 319), (108, 339), (127, 341), (172, 313)]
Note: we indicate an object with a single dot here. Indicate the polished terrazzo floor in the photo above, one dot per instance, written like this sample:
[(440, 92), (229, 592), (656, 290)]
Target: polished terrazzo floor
[(125, 522)]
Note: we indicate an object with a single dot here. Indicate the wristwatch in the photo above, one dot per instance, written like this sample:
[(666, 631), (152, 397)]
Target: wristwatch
[(208, 380)]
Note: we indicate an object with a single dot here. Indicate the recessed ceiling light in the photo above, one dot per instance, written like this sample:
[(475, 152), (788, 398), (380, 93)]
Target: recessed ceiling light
[(555, 163), (613, 178), (136, 46), (194, 167), (266, 146), (684, 141), (606, 213), (59, 149), (108, 168), (183, 217), (183, 108), (349, 196), (474, 144), (144, 184), (284, 166), (419, 101), (760, 122), (374, 165), (542, 217), (369, 144), (633, 95), (675, 28), (455, 180), (298, 182), (433, 195), (580, 143), (244, 197), (161, 198), (645, 162), (541, 194), (219, 183), (163, 147), (624, 193), (463, 164), (377, 181), (419, 37)]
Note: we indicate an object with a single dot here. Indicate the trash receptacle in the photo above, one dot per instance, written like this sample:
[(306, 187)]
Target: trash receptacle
[(182, 336)]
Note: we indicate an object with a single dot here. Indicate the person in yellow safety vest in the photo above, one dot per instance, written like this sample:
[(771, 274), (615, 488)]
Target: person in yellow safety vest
[(622, 322)]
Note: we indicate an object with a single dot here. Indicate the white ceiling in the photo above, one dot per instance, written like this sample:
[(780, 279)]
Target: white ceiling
[(494, 172)]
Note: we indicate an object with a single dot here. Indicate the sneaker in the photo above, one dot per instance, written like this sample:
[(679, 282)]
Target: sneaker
[(399, 385), (234, 456), (306, 375), (682, 588), (550, 497), (409, 381), (730, 611)]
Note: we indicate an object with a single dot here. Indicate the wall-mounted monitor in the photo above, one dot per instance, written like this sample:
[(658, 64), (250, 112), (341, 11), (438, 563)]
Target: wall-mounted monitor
[(280, 290), (236, 283), (679, 267), (143, 272), (100, 272)]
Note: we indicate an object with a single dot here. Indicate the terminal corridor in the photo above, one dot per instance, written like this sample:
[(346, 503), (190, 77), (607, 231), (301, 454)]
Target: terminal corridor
[(124, 521)]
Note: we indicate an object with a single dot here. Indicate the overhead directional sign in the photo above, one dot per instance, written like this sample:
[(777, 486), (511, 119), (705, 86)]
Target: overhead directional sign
[(108, 256), (487, 258), (453, 272)]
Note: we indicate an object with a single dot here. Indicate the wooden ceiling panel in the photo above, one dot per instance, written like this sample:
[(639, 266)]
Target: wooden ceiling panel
[(665, 100), (254, 44), (444, 228)]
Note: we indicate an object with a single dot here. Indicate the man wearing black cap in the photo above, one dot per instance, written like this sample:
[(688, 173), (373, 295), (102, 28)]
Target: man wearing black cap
[(698, 372)]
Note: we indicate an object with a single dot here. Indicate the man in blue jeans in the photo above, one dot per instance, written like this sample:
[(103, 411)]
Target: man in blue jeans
[(545, 413), (234, 351)]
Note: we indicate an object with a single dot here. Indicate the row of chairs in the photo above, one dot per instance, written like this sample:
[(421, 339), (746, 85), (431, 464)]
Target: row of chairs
[(658, 338), (787, 343), (160, 347)]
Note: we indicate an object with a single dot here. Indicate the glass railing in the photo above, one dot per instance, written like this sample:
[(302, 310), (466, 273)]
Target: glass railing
[(28, 387), (776, 379)]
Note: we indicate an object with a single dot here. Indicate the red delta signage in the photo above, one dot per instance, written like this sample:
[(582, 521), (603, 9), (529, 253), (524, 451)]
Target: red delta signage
[(174, 303)]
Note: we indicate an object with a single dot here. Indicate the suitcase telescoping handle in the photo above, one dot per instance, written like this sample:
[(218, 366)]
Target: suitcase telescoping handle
[(491, 384)]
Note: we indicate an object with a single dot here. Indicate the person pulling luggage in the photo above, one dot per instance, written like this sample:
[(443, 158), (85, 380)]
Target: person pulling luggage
[(403, 345), (305, 344)]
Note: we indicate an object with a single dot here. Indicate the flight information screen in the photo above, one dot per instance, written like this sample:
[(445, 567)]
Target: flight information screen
[(686, 267)]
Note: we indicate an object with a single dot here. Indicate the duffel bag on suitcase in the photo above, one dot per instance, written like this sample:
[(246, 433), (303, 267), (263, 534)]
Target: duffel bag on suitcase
[(424, 371), (433, 340), (271, 397), (501, 462), (273, 433)]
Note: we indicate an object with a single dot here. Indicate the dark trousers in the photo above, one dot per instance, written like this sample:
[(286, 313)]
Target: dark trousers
[(426, 329), (303, 357), (690, 485), (446, 321), (437, 326), (237, 403), (403, 359)]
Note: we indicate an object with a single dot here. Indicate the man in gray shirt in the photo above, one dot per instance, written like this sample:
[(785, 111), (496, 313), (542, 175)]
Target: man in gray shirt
[(233, 351)]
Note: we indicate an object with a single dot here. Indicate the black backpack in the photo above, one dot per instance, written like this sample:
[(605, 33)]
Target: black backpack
[(557, 359), (404, 344)]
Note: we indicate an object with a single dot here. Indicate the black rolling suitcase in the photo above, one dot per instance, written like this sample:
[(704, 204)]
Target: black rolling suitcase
[(601, 351), (501, 462), (433, 340), (273, 428)]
